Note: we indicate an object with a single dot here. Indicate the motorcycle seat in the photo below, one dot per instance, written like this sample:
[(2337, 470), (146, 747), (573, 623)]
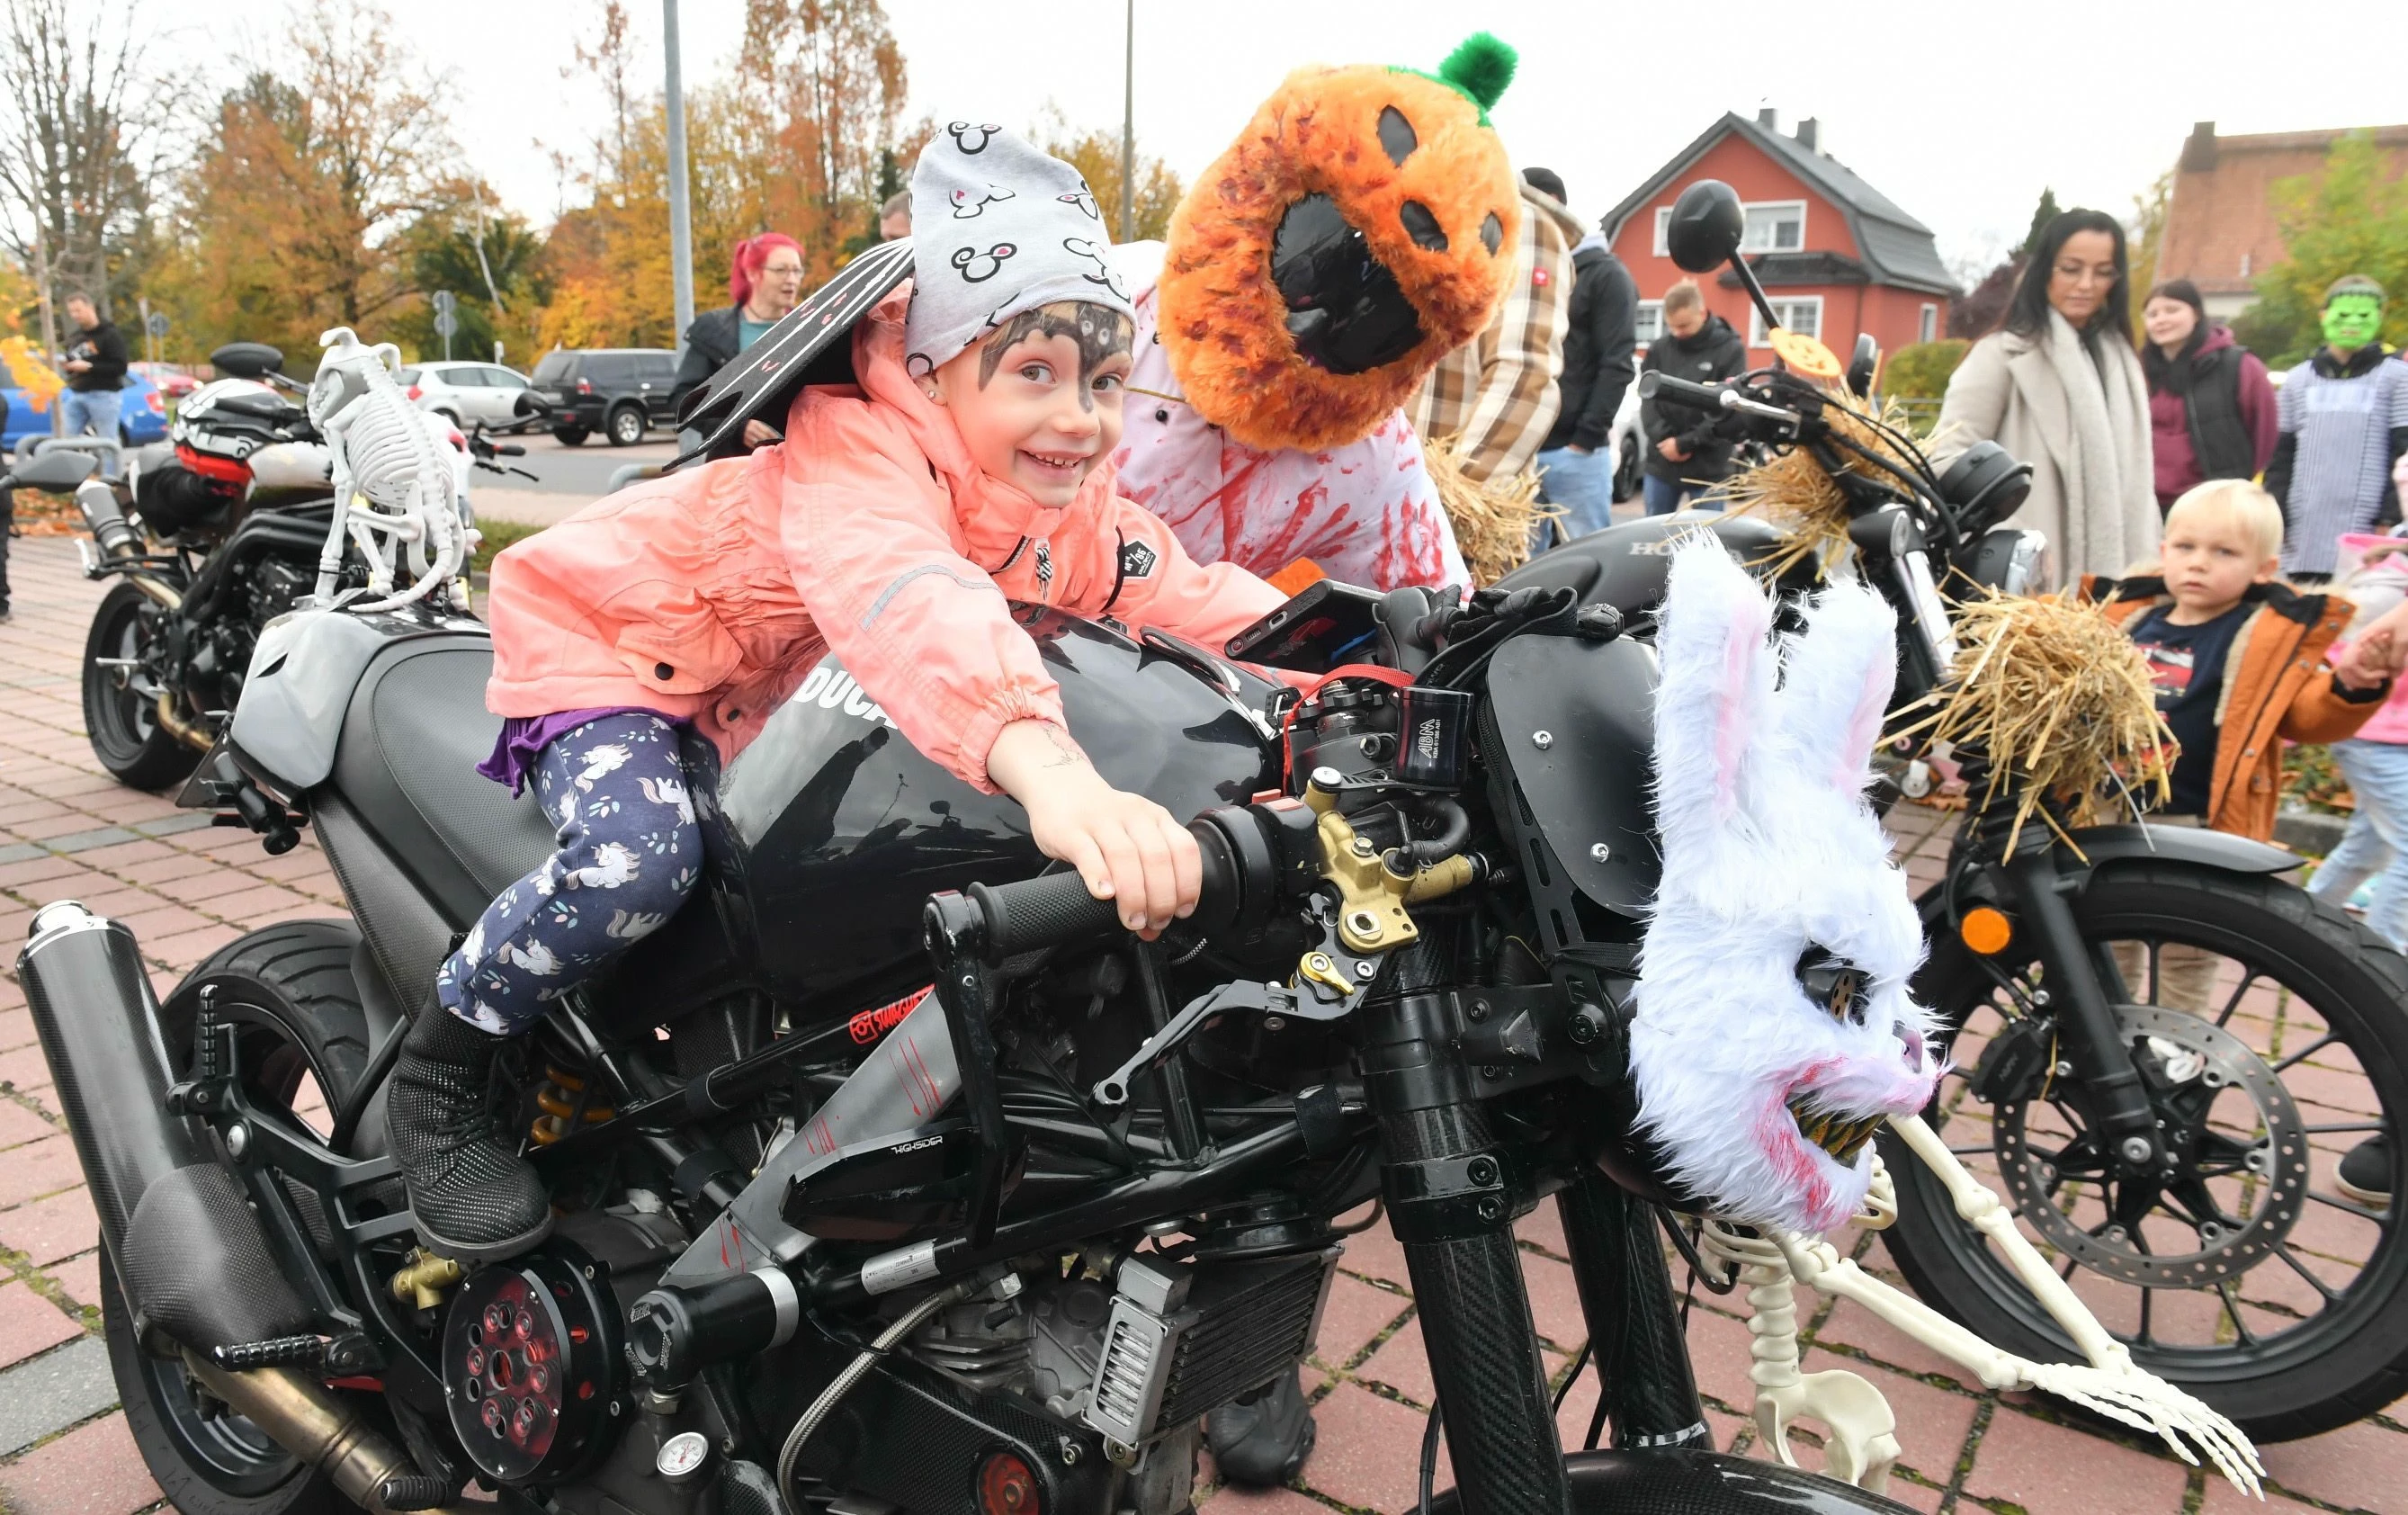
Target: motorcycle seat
[(416, 729)]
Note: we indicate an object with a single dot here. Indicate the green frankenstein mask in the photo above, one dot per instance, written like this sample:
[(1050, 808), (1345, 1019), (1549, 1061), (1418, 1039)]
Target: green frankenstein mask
[(2352, 321)]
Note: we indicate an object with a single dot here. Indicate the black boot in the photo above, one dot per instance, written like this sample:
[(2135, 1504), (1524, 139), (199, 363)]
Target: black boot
[(1262, 1442), (471, 1195)]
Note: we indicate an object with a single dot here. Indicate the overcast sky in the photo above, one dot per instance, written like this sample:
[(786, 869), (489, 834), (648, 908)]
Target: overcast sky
[(1960, 113)]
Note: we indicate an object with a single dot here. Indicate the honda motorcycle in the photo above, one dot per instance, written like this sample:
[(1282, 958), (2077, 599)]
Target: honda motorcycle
[(2184, 1163), (209, 537)]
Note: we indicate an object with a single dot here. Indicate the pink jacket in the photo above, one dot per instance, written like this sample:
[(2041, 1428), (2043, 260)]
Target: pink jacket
[(2376, 590), (869, 533)]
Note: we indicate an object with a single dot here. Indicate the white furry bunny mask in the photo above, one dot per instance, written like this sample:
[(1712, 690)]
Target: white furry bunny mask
[(1773, 1031)]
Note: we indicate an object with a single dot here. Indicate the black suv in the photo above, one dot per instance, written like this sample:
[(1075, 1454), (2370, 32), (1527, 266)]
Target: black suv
[(620, 392)]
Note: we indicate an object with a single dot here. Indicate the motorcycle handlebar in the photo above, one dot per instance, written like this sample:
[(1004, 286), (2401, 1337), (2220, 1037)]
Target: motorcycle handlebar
[(1667, 390), (1041, 913), (1056, 909)]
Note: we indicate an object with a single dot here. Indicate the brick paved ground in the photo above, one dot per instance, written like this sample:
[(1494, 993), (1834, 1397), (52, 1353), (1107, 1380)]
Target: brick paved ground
[(67, 830)]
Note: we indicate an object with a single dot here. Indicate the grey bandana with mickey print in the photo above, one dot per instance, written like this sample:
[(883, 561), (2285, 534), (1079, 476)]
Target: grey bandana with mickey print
[(998, 227)]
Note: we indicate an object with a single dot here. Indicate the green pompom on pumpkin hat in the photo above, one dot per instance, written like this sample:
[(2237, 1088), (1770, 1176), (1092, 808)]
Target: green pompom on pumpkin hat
[(1478, 70)]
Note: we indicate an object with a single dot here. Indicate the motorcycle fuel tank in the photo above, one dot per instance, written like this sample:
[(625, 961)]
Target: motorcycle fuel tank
[(1628, 566), (830, 831)]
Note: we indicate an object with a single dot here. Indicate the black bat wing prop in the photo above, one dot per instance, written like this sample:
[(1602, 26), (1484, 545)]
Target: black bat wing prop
[(811, 345)]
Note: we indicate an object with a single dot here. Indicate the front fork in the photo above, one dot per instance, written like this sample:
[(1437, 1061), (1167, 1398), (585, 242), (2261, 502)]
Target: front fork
[(2091, 1037), (1449, 1199)]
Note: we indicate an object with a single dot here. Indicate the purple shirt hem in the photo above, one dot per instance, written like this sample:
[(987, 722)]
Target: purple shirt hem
[(525, 736)]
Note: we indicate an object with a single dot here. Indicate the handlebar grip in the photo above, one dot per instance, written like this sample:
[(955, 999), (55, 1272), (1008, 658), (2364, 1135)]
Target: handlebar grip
[(1041, 913), (1664, 389)]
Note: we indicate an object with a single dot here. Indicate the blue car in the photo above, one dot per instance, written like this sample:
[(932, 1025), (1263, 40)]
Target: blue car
[(141, 416)]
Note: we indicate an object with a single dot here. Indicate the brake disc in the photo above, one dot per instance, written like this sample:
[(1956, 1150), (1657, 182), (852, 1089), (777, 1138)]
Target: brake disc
[(2189, 1051)]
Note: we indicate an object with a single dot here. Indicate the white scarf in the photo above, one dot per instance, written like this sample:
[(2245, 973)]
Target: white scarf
[(2110, 507)]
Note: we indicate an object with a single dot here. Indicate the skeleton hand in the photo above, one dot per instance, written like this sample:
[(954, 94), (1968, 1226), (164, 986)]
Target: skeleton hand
[(2147, 1403)]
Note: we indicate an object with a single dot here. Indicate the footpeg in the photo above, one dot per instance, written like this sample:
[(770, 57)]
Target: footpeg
[(279, 1351)]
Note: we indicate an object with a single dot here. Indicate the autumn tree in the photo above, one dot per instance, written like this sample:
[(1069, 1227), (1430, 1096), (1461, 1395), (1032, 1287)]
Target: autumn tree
[(296, 205), (2145, 236), (1096, 155), (2349, 218), (83, 118), (495, 269)]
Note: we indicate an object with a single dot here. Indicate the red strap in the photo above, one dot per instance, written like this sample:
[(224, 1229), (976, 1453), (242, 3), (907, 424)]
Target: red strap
[(1393, 678)]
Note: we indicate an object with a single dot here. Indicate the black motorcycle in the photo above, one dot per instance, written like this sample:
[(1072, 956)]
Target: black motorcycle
[(210, 536), (2185, 1163), (891, 1170)]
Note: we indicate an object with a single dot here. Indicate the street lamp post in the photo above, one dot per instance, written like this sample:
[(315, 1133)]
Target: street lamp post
[(1129, 127), (680, 231)]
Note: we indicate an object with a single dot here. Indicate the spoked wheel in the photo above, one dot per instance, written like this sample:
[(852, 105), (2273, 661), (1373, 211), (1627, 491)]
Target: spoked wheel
[(121, 694), (303, 1043), (2271, 1036)]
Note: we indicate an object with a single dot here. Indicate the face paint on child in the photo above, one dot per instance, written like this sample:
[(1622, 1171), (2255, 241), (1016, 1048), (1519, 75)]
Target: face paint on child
[(2352, 321), (1038, 401)]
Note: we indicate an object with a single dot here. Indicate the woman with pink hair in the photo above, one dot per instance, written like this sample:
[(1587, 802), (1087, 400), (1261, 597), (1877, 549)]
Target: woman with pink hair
[(765, 280)]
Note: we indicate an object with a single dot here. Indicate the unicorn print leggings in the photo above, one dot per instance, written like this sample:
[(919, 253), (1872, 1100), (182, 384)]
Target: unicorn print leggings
[(629, 854)]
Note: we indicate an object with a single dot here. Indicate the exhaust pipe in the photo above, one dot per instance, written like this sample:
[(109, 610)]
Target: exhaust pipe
[(189, 1252), (98, 1023), (322, 1431), (99, 1027)]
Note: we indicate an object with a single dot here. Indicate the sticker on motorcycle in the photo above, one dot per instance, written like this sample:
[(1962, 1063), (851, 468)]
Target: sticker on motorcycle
[(870, 1025), (832, 688)]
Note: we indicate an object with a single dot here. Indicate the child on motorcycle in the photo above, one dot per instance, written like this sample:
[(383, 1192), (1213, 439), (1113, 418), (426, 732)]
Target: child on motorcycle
[(893, 527)]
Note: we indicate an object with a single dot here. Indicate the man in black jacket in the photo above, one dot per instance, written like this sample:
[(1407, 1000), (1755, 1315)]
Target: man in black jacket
[(1576, 462), (1685, 457), (96, 371)]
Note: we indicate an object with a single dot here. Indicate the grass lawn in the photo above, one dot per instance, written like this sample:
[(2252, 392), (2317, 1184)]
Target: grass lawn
[(498, 535)]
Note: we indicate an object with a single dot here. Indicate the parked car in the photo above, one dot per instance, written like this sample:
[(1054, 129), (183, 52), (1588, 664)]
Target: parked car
[(141, 416), (466, 392), (174, 380), (1629, 437), (621, 391)]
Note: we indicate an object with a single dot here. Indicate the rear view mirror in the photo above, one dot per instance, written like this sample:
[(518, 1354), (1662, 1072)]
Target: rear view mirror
[(1706, 226), (1863, 364), (529, 404), (247, 360), (57, 470)]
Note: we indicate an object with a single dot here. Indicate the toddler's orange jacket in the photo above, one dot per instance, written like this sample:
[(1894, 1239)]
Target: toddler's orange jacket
[(2276, 689)]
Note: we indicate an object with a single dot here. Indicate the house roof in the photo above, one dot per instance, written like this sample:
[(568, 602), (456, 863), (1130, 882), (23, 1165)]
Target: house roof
[(2220, 229), (1896, 249)]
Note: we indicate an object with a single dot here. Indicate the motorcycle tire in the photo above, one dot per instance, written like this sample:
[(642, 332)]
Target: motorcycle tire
[(1627, 480), (2347, 1360), (122, 725), (570, 436), (288, 988)]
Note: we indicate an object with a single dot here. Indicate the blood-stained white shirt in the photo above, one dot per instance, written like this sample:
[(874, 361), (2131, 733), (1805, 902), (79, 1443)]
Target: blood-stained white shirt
[(1365, 514)]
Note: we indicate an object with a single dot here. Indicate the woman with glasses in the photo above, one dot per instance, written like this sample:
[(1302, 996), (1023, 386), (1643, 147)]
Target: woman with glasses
[(2061, 387), (765, 280)]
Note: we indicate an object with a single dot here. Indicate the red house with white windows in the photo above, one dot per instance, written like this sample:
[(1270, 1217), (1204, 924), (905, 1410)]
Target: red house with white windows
[(1835, 255)]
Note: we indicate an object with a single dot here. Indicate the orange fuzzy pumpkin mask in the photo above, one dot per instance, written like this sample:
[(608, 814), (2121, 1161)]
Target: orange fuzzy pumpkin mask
[(1360, 229)]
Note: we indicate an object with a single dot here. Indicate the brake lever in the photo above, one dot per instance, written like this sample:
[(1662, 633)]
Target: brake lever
[(1330, 983)]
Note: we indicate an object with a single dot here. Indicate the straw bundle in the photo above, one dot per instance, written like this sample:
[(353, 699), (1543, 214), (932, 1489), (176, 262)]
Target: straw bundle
[(2059, 701), (1795, 493), (1493, 518)]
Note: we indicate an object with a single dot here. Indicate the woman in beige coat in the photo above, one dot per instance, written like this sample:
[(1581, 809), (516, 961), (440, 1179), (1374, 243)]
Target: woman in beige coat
[(2061, 387)]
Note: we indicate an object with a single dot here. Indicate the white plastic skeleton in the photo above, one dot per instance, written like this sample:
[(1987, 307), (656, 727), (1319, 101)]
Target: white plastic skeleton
[(1862, 1442), (1774, 1030), (397, 482)]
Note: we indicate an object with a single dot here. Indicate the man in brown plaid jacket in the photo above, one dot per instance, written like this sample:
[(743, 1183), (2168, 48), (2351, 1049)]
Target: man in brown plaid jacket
[(1495, 397)]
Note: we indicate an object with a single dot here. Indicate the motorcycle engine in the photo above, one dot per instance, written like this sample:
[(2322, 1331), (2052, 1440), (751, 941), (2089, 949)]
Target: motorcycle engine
[(1142, 1356)]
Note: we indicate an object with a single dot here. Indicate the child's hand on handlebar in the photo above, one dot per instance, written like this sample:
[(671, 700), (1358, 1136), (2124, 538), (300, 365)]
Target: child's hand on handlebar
[(1128, 848)]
